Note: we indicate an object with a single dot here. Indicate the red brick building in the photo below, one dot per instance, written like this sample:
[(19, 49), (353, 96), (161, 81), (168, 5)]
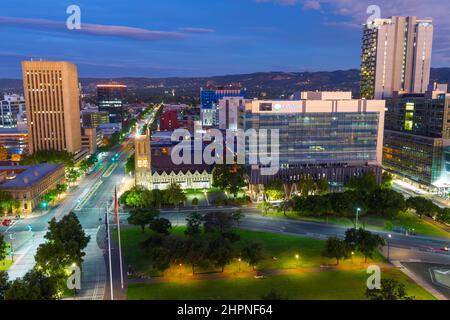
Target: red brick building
[(169, 121)]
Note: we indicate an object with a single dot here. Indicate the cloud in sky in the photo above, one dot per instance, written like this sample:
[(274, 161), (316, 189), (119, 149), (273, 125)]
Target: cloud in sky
[(101, 30), (355, 14), (197, 30)]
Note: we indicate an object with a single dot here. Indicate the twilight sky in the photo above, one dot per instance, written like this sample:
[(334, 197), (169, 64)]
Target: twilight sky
[(158, 38)]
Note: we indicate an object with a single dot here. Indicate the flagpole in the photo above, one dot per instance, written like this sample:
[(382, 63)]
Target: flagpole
[(109, 254), (120, 242)]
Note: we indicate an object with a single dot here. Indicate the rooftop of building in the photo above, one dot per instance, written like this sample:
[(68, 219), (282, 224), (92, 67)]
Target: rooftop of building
[(26, 176), (164, 163), (13, 131), (111, 85), (326, 95)]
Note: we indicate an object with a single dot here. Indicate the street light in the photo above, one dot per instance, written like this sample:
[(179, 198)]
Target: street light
[(357, 215), (239, 264), (388, 243), (297, 257)]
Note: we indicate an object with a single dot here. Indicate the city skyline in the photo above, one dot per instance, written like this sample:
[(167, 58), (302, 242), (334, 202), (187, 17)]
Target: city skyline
[(164, 39)]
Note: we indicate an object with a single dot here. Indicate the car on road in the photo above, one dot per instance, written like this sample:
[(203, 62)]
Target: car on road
[(7, 222)]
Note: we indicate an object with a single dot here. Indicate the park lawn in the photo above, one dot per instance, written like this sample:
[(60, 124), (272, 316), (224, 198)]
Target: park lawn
[(406, 220), (131, 239), (283, 247), (295, 216), (5, 264), (286, 247), (422, 227), (330, 285)]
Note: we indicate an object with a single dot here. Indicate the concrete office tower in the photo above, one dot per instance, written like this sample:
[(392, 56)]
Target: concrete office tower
[(231, 113), (53, 105), (396, 56)]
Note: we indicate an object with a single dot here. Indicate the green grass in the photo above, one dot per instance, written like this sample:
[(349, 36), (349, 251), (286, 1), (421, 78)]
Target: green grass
[(131, 239), (422, 227), (5, 264), (286, 247), (406, 220), (333, 285), (283, 247)]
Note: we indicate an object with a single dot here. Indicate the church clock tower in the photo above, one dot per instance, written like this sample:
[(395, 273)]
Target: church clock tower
[(143, 160)]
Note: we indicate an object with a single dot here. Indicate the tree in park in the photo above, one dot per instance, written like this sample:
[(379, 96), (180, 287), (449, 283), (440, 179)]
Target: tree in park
[(142, 217), (275, 190), (35, 285), (66, 241), (307, 187), (365, 184), (388, 203), (386, 180), (195, 202), (284, 206), (252, 253), (443, 215), (422, 206), (4, 284), (364, 241), (175, 195), (194, 224), (196, 253), (138, 197), (323, 187), (159, 255), (237, 216), (229, 177), (336, 249), (390, 290), (220, 222), (52, 259), (161, 226), (221, 252), (3, 248), (264, 206)]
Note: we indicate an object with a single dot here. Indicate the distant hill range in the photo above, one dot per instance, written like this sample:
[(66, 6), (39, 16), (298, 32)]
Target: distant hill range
[(265, 84)]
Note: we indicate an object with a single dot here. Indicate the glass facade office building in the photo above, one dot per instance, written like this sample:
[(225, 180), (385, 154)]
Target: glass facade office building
[(111, 98), (332, 139), (417, 139), (321, 138)]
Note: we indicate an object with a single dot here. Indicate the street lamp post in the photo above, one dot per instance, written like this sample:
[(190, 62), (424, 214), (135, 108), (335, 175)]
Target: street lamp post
[(239, 264), (389, 246), (297, 257), (357, 215)]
